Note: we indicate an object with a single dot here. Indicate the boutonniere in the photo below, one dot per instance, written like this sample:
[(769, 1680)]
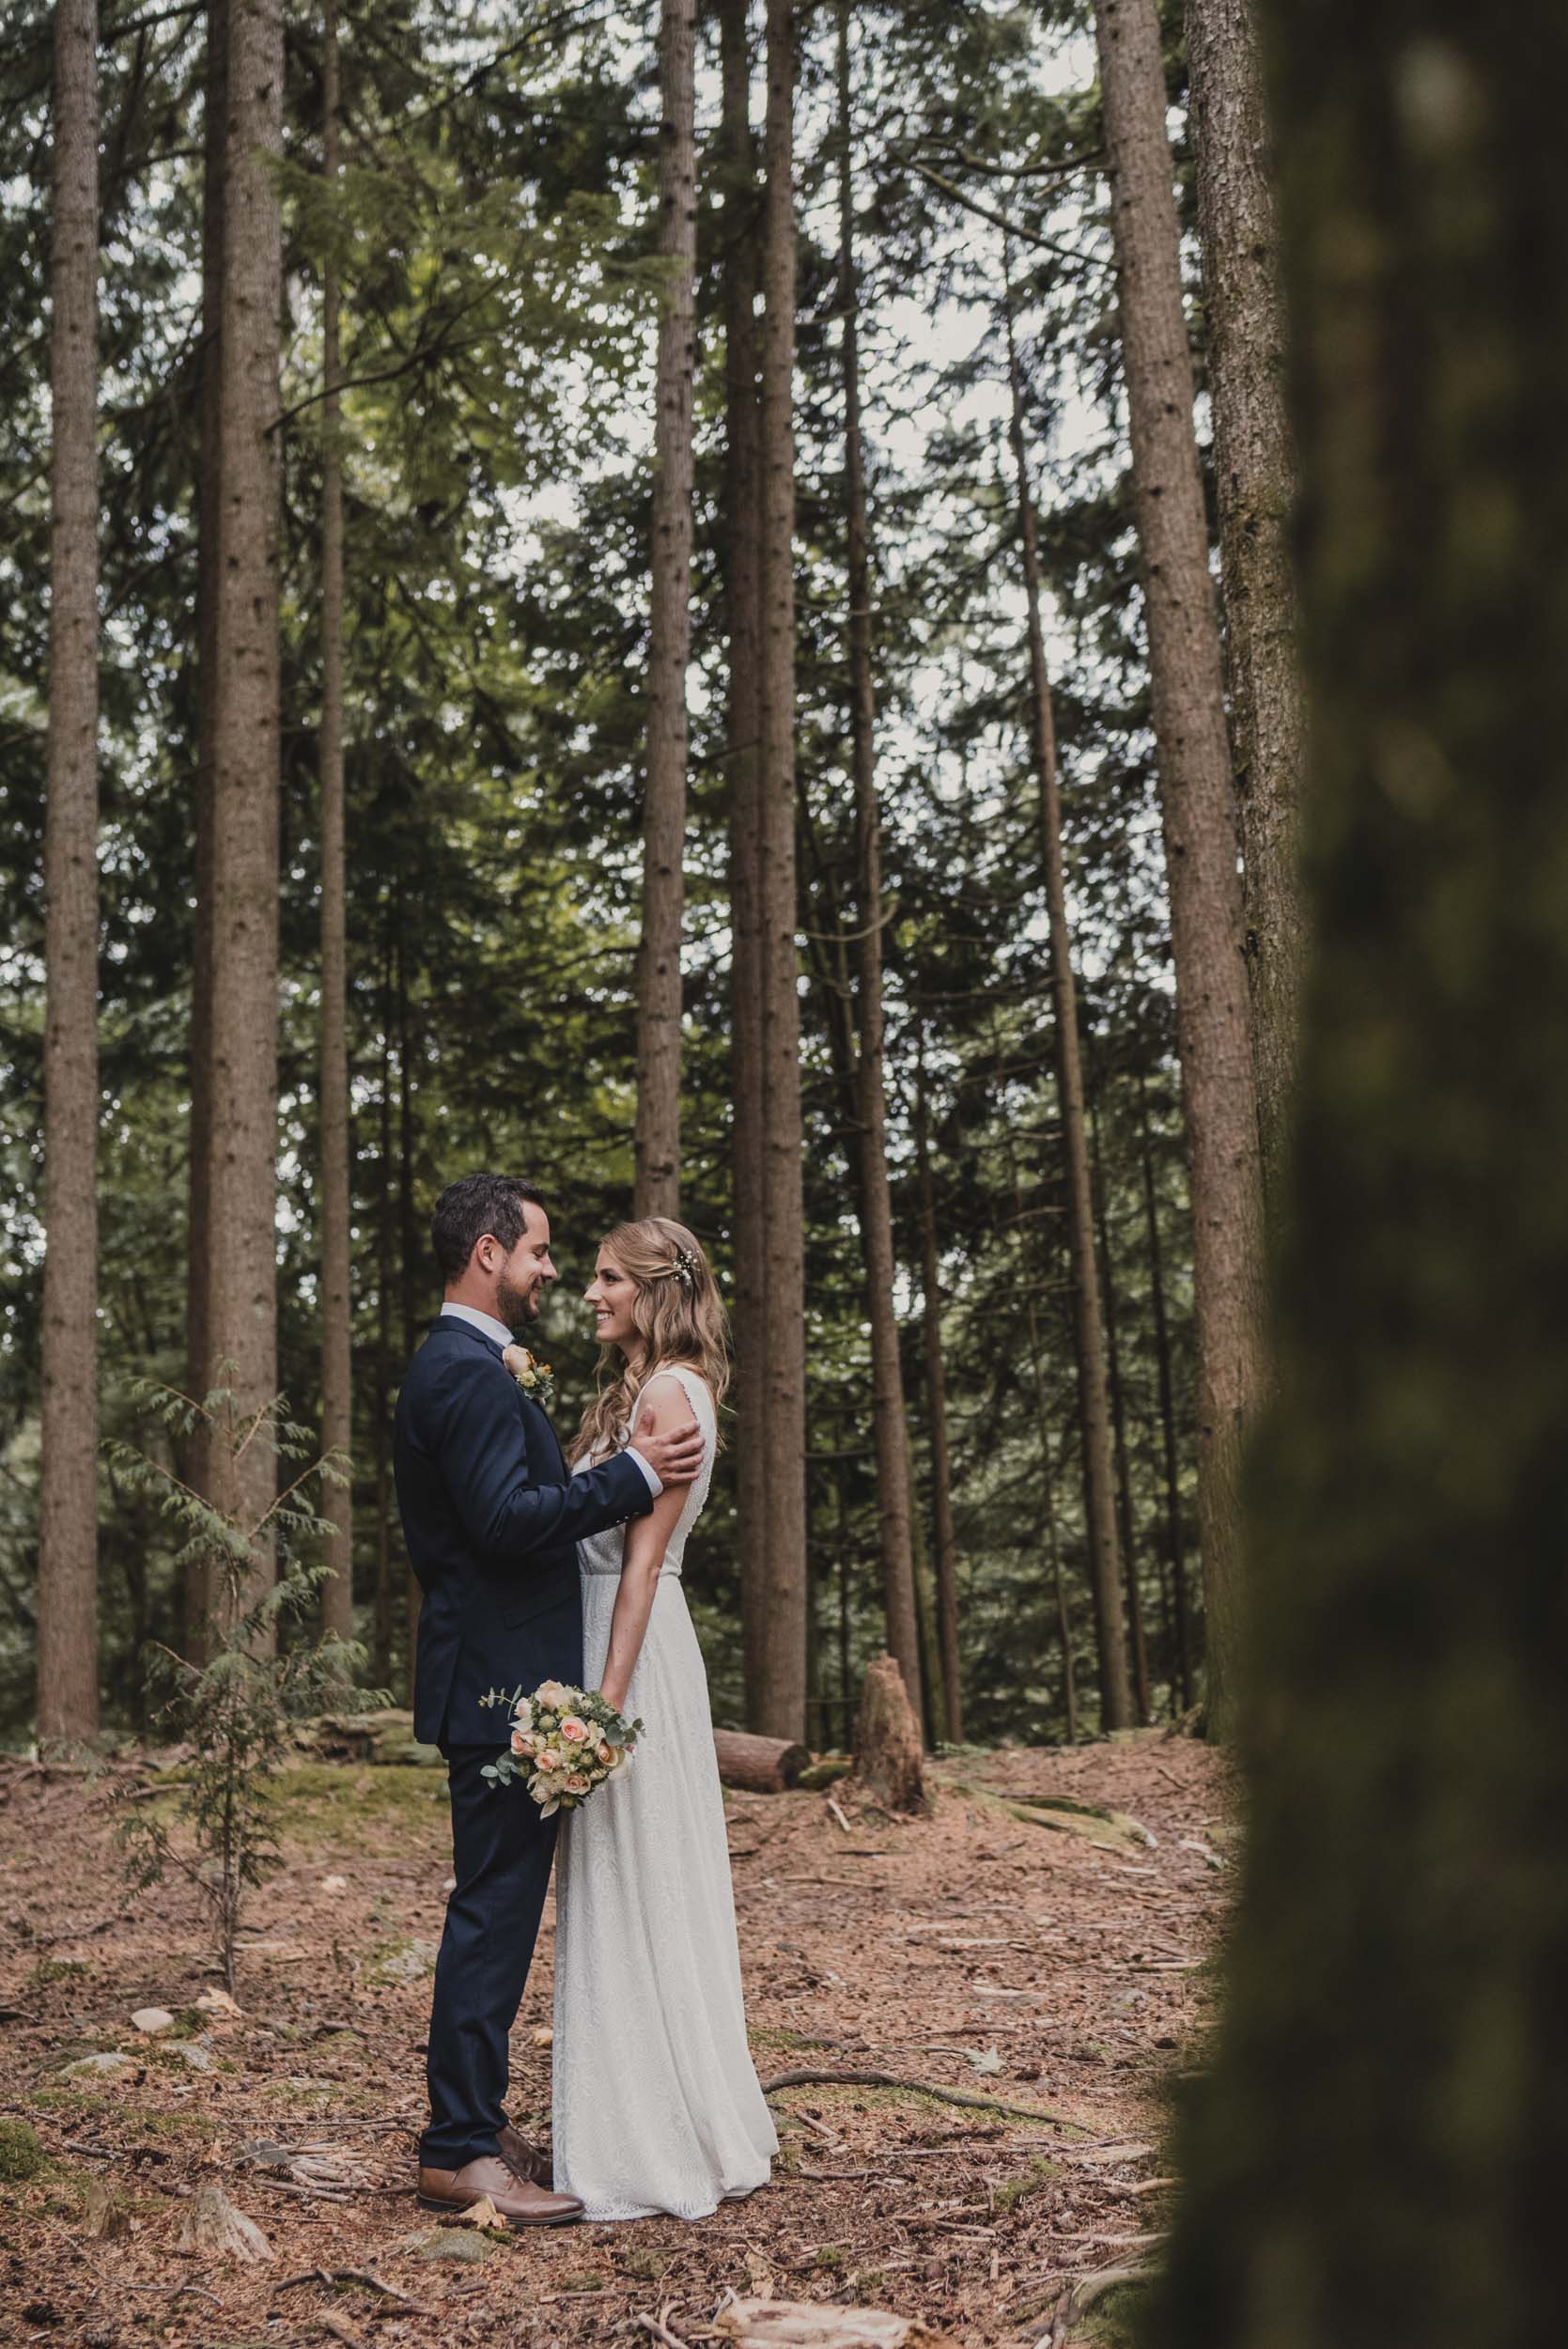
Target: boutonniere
[(535, 1378)]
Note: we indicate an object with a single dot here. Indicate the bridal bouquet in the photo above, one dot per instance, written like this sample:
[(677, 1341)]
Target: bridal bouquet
[(563, 1743)]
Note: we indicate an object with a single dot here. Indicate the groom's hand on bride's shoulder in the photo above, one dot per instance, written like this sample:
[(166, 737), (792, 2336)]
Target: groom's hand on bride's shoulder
[(675, 1458)]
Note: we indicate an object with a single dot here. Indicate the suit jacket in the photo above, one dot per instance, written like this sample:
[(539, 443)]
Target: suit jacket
[(491, 1520)]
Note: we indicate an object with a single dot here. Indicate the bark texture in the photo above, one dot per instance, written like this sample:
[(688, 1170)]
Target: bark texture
[(782, 1661), (887, 1376), (658, 1142), (742, 521), (1099, 1489), (338, 1592), (1254, 475), (242, 1284), (1374, 2155), (67, 1500), (1198, 806)]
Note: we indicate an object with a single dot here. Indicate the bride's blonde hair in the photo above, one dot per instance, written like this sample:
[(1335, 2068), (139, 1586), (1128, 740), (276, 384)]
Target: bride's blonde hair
[(679, 1317)]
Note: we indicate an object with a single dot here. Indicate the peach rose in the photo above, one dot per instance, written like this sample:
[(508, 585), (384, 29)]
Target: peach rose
[(551, 1760), (576, 1782), (607, 1753), (550, 1694), (575, 1729), (522, 1745)]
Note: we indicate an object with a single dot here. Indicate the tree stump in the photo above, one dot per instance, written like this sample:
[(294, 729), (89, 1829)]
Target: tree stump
[(760, 1766), (889, 1761), (216, 2228)]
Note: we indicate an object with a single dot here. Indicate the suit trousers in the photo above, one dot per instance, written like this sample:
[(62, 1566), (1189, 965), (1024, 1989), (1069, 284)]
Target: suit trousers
[(501, 1857)]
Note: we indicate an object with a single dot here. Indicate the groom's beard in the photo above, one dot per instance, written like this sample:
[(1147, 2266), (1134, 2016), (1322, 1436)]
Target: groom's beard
[(516, 1306)]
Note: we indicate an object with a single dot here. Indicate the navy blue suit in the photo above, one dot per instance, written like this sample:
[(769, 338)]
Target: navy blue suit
[(491, 1520)]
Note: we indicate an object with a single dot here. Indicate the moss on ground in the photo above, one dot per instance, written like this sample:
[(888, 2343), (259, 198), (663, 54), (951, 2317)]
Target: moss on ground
[(1015, 2190), (20, 2155), (52, 1970), (332, 1801)]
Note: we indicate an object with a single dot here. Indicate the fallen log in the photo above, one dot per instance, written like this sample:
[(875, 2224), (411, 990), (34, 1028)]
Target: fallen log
[(758, 1766)]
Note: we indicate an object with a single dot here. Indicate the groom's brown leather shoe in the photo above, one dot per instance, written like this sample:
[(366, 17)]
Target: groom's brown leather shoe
[(523, 2157), (520, 2203)]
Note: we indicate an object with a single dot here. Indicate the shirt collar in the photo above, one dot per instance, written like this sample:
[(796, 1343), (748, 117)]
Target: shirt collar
[(495, 1331)]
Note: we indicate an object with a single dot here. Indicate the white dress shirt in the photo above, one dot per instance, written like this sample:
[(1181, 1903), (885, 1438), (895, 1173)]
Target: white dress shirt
[(502, 1336)]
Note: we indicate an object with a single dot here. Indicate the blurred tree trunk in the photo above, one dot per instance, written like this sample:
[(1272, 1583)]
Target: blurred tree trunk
[(1176, 1544), (945, 1549), (1254, 474), (781, 1659), (742, 518), (1374, 2158), (242, 1186), (657, 1141), (1198, 805), (195, 1595), (1099, 1488), (887, 1376), (338, 1431), (68, 1499)]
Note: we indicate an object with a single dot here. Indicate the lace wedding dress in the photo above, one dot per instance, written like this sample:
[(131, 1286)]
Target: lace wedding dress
[(656, 2107)]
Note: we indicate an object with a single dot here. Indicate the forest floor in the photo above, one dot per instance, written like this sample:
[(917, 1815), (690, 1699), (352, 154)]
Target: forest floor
[(1064, 1973)]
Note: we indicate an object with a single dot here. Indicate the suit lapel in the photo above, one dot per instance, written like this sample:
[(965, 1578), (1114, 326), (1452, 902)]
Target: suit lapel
[(534, 1415)]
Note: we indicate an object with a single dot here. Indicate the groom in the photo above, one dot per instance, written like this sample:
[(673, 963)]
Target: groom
[(492, 1520)]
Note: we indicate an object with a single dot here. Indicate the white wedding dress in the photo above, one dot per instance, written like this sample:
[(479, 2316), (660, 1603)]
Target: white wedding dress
[(656, 2102)]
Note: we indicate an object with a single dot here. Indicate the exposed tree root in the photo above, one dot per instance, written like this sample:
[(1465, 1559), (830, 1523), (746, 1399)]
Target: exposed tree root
[(922, 2088)]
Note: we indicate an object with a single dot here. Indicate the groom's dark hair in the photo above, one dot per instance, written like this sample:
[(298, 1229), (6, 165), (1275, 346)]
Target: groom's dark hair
[(470, 1207)]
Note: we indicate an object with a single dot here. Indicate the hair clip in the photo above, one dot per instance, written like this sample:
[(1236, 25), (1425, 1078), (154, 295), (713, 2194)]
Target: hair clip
[(685, 1268)]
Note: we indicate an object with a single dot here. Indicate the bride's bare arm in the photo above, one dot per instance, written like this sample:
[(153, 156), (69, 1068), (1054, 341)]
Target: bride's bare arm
[(647, 1540)]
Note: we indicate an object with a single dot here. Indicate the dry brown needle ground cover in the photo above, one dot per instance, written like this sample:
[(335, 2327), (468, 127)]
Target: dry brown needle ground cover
[(979, 1952)]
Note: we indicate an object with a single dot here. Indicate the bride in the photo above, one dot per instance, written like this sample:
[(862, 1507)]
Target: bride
[(656, 2107)]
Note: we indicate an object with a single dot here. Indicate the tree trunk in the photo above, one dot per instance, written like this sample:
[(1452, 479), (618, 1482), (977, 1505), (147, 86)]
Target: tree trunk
[(1176, 1546), (1119, 1425), (1047, 1472), (887, 1376), (742, 519), (658, 1142), (381, 1385), (1099, 1489), (889, 1761), (338, 1592), (68, 1499), (935, 1396), (409, 1243), (242, 1249), (1374, 2155), (782, 1663), (196, 1594), (1198, 805), (1254, 475)]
